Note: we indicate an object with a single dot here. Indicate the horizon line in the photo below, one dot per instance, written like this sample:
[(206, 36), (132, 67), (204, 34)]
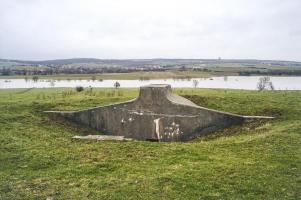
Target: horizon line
[(251, 59)]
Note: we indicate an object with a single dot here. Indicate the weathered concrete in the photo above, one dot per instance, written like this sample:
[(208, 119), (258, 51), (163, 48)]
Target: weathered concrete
[(157, 114), (102, 137)]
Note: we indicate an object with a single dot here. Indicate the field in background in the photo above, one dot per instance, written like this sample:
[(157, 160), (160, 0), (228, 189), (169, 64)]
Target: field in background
[(259, 160), (122, 76), (146, 75), (144, 68)]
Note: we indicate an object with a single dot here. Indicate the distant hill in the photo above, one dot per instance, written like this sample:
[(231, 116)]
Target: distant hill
[(55, 62), (135, 62)]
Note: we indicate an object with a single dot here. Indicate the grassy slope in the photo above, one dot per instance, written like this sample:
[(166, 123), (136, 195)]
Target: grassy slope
[(38, 158)]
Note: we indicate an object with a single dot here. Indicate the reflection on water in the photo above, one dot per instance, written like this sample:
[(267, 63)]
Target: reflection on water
[(231, 82)]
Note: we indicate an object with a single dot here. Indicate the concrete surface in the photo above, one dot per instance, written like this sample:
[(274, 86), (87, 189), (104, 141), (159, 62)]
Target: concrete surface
[(102, 137), (156, 115)]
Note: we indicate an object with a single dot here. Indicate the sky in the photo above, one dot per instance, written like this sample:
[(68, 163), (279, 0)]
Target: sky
[(140, 29)]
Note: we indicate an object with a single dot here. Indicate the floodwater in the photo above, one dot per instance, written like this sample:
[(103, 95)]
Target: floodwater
[(227, 82)]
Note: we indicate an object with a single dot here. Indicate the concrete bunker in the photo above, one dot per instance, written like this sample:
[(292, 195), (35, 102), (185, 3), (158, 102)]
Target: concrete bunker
[(156, 115)]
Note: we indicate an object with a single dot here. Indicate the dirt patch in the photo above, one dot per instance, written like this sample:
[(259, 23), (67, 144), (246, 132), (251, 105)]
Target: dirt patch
[(256, 126), (199, 100)]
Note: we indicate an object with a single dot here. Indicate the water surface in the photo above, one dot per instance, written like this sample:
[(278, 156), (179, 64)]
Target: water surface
[(228, 82)]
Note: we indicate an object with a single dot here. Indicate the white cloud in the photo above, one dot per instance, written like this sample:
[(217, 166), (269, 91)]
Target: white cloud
[(41, 29)]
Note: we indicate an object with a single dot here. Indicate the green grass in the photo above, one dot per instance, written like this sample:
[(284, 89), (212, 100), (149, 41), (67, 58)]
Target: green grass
[(259, 160), (126, 76)]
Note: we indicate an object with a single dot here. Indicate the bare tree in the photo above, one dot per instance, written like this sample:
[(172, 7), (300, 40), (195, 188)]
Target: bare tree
[(264, 83), (271, 85), (116, 85), (261, 84), (52, 83), (195, 83)]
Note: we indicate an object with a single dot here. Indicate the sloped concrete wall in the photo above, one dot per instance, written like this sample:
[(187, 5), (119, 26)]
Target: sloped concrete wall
[(156, 114)]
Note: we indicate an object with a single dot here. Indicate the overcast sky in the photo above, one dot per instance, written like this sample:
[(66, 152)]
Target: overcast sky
[(51, 29)]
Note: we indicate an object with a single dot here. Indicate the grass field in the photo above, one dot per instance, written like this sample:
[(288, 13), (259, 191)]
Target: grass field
[(212, 70), (39, 160), (128, 76)]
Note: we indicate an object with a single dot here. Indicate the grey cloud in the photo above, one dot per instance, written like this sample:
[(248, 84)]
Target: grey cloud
[(41, 29)]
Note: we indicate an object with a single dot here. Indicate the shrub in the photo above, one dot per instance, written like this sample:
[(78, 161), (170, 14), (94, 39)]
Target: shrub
[(35, 78), (79, 88)]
